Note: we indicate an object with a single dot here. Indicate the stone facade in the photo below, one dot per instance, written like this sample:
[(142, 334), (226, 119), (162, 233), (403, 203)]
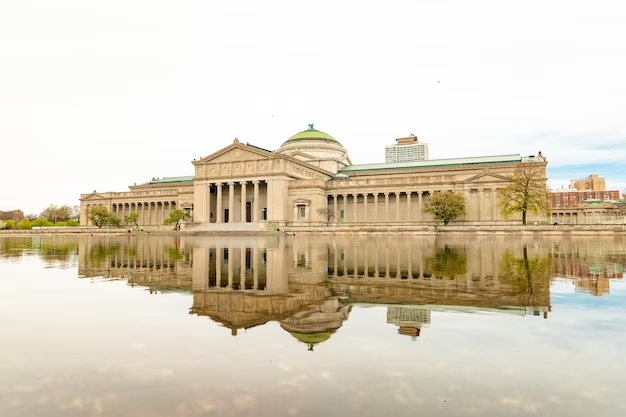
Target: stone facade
[(311, 181)]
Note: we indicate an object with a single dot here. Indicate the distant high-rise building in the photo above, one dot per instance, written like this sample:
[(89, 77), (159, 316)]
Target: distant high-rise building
[(408, 149), (592, 182)]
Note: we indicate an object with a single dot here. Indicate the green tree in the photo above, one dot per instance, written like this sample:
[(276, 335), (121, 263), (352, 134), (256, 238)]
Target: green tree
[(25, 224), (10, 224), (446, 206), (175, 217), (526, 192), (42, 222), (100, 216), (133, 218)]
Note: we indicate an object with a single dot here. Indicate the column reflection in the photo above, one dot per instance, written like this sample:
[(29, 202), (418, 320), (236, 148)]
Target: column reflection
[(310, 285)]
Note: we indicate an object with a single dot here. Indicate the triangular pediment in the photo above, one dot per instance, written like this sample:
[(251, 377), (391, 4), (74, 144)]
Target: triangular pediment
[(487, 177), (93, 197), (236, 153)]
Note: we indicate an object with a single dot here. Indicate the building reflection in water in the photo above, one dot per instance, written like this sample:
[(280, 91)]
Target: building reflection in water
[(588, 266), (309, 286)]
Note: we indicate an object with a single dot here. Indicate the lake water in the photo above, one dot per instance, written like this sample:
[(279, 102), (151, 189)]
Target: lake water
[(312, 326)]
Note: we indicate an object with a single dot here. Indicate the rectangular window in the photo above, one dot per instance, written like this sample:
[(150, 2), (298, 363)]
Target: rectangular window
[(302, 211), (341, 214)]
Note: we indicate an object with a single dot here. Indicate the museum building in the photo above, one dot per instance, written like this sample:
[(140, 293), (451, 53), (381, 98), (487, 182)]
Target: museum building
[(311, 182)]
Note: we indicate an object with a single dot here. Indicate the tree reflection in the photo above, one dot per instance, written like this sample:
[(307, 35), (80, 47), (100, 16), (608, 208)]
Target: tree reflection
[(52, 250), (101, 252), (529, 275), (447, 262)]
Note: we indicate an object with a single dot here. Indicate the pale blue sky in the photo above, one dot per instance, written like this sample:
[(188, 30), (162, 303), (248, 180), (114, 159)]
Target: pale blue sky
[(99, 95)]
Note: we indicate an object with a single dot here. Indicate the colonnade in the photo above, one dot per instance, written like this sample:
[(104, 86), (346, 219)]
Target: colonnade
[(371, 201), (233, 188), (230, 268), (150, 213)]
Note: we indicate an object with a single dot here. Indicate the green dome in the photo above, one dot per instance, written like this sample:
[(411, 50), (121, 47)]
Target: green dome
[(312, 338), (311, 133)]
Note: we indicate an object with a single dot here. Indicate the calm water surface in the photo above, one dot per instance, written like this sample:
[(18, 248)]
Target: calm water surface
[(377, 326)]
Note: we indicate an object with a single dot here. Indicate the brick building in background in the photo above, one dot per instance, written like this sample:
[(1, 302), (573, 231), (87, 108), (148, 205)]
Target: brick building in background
[(569, 197), (11, 215)]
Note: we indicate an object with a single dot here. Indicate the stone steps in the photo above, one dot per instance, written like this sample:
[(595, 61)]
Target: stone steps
[(226, 227)]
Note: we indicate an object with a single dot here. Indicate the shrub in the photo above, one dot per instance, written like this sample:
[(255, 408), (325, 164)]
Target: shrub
[(41, 222), (25, 224)]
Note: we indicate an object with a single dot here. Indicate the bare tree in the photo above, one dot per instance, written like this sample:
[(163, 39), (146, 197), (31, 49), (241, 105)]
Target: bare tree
[(57, 213), (526, 192), (326, 212)]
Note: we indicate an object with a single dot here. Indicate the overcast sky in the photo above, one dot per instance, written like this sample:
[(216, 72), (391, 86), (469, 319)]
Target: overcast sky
[(100, 95)]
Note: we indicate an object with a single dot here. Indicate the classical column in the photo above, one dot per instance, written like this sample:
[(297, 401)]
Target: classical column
[(243, 202), (375, 207), (162, 212), (356, 200), (408, 205), (149, 213), (335, 207), (255, 205), (481, 205), (208, 202), (365, 207), (242, 267), (219, 259), (345, 208), (386, 207), (387, 261), (398, 206), (419, 205), (335, 260), (345, 261), (231, 206), (230, 265), (376, 270), (219, 211), (255, 266), (365, 260), (494, 213), (409, 254)]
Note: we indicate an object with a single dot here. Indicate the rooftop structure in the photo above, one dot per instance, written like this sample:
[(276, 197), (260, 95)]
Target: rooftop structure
[(407, 149), (441, 163)]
